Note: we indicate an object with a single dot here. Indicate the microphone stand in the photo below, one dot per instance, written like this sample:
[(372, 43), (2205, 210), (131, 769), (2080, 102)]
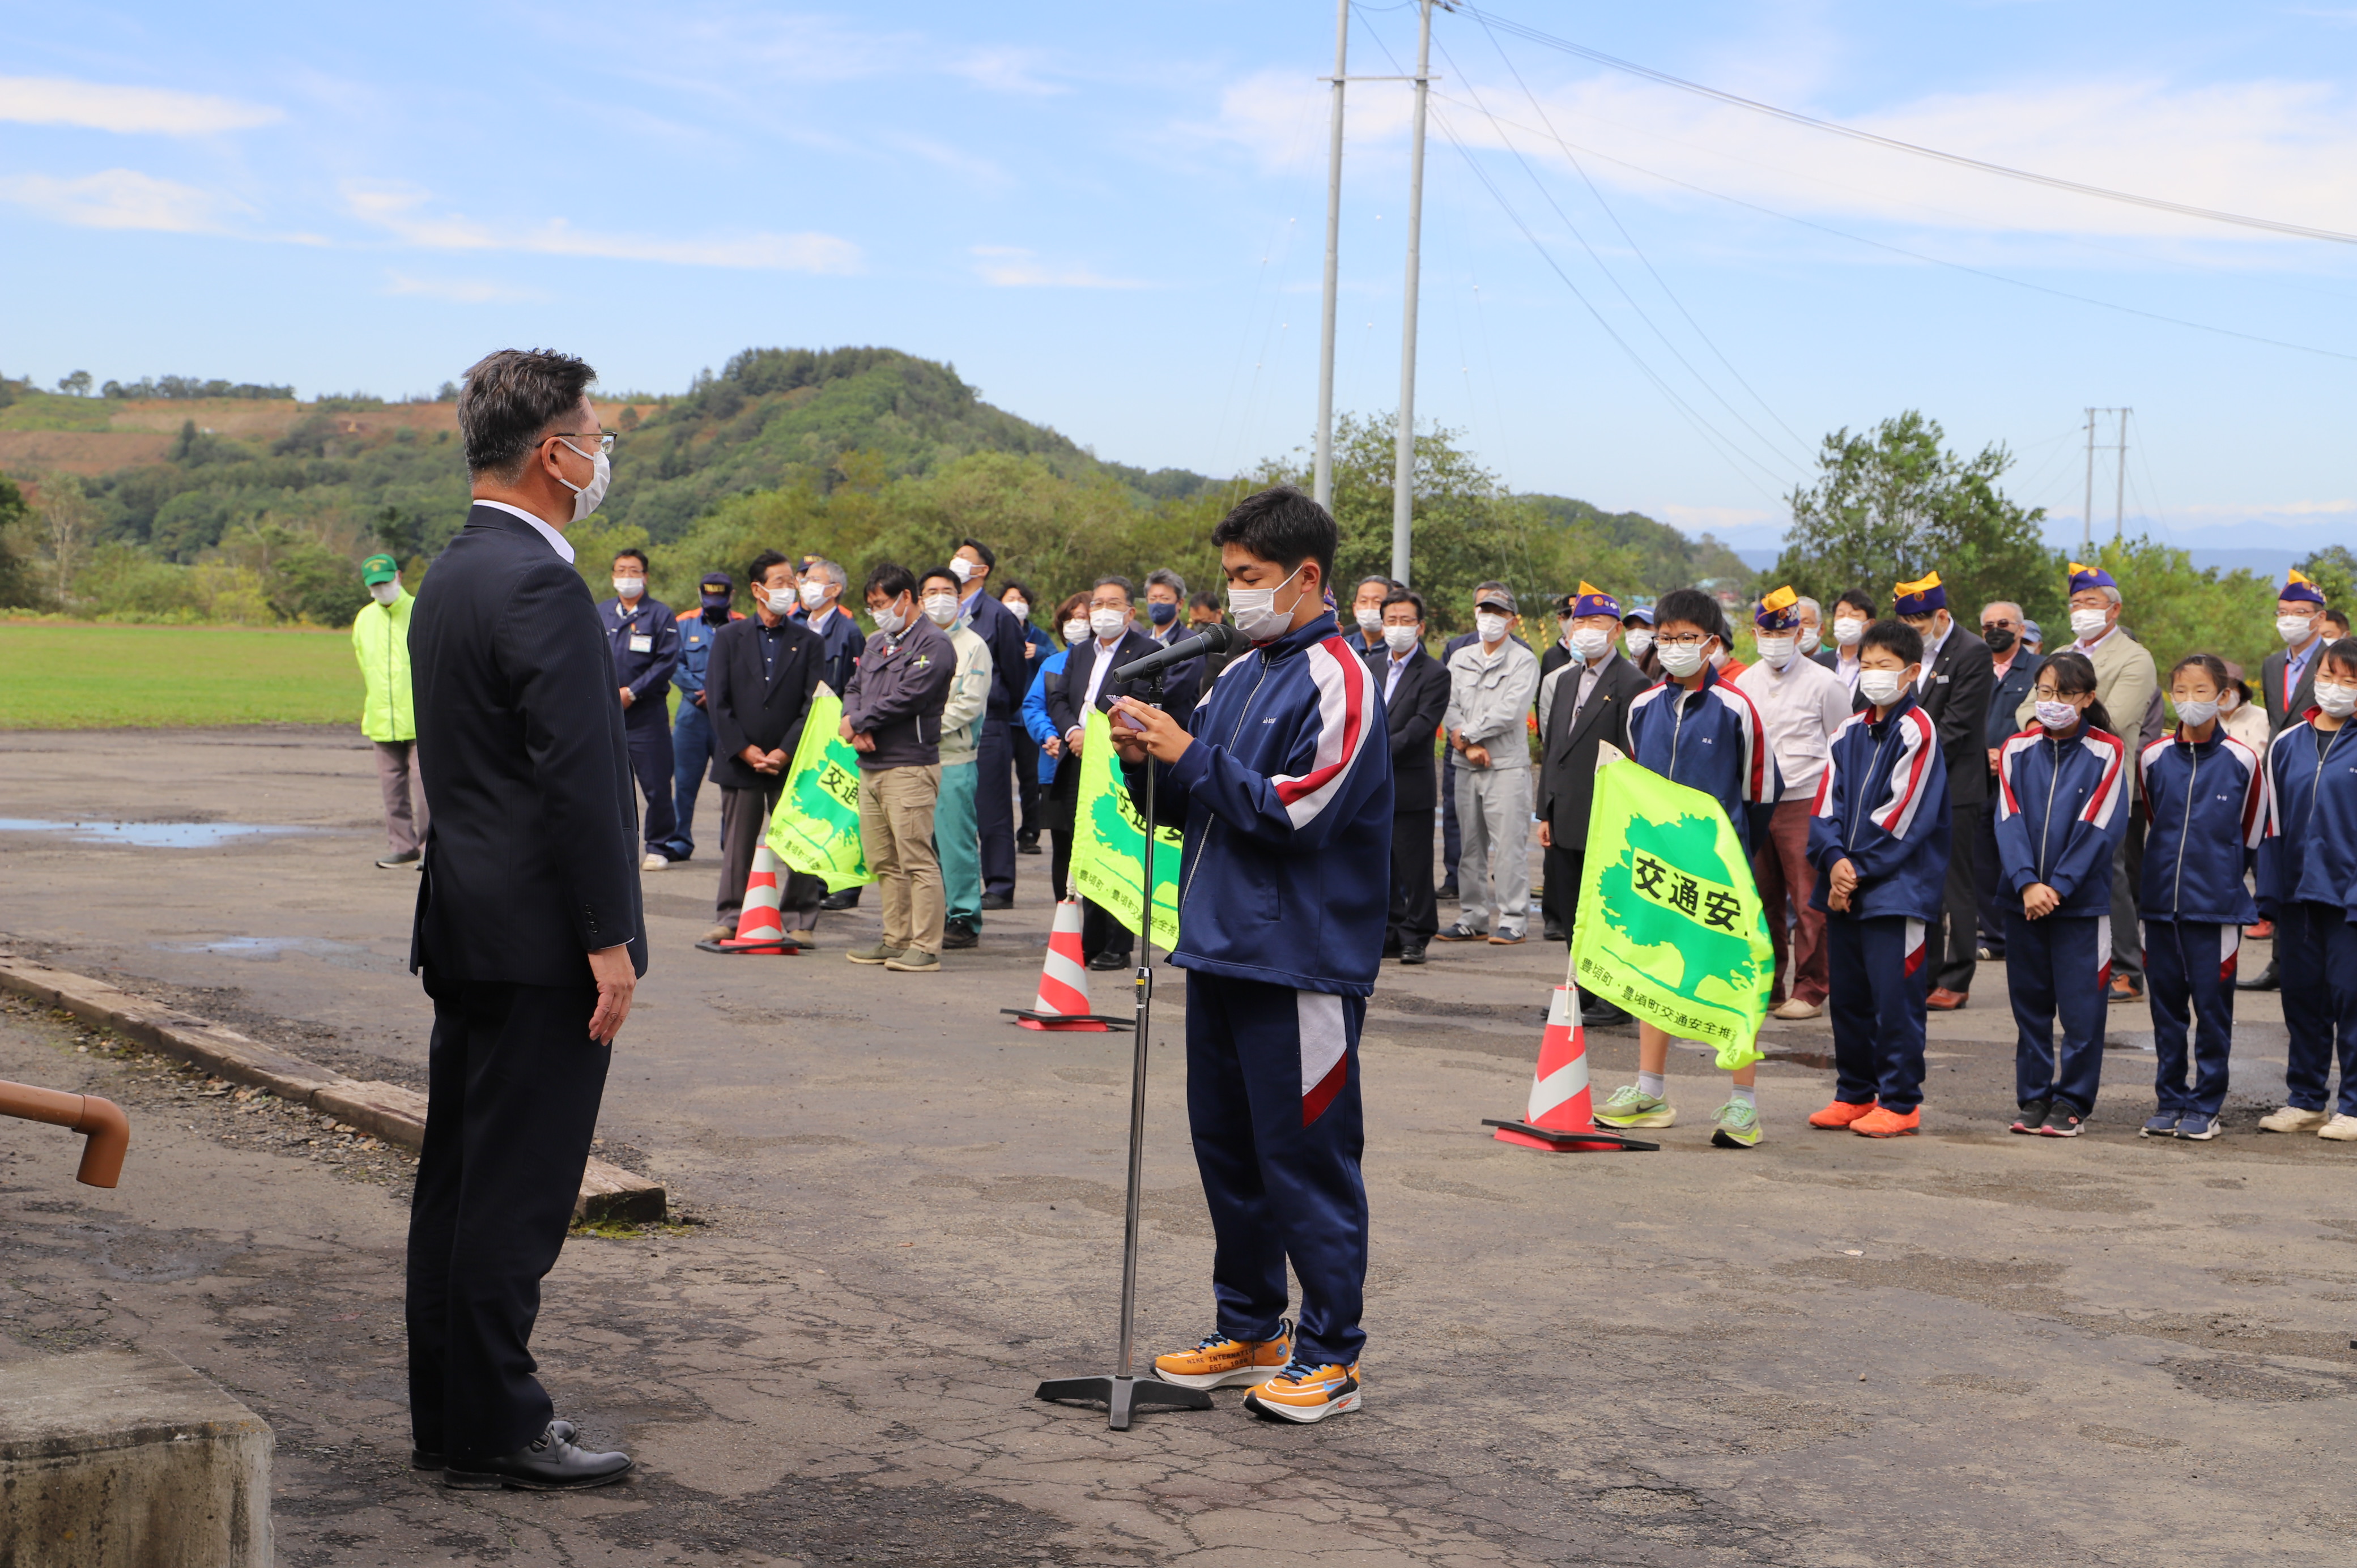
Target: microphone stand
[(1123, 1391)]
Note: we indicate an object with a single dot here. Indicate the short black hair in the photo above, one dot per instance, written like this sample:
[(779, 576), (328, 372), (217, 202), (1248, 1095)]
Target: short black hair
[(759, 570), (1014, 585), (1128, 588), (890, 579), (988, 556), (2335, 618), (1893, 636), (511, 399), (2343, 655), (1858, 599), (1399, 596), (944, 573), (1206, 600), (632, 550), (1283, 525), (2210, 664), (1692, 606)]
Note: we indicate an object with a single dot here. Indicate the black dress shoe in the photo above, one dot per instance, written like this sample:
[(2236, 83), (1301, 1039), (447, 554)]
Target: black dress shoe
[(1027, 846), (1448, 891), (428, 1459), (1412, 953), (1600, 1014), (998, 900), (1110, 960), (957, 934), (548, 1464), (1552, 931), (847, 898), (2266, 980)]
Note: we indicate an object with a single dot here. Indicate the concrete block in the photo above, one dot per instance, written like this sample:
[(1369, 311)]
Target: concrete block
[(120, 1459)]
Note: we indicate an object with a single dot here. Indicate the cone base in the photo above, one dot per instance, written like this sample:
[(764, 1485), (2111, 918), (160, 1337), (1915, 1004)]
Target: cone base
[(1567, 1140), (777, 946), (1066, 1023)]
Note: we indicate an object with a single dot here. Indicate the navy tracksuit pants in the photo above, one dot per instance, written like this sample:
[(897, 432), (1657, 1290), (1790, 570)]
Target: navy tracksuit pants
[(2188, 974), (1273, 1103), (2315, 954), (2059, 968), (1879, 980)]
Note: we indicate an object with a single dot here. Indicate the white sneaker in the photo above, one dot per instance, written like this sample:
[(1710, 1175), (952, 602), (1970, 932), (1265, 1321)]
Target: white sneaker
[(654, 862), (2292, 1119), (2340, 1130), (1796, 1008)]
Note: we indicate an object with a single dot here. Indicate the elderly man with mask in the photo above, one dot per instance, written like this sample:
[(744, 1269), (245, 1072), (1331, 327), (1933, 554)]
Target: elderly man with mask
[(1492, 682), (1803, 706), (2288, 680), (1959, 678)]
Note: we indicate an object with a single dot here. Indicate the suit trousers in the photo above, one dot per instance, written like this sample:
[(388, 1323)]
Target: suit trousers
[(691, 760), (1063, 807), (1031, 794), (650, 759), (1414, 911), (1782, 868), (1879, 973), (956, 841), (400, 779), (896, 834), (1452, 838), (513, 1084), (2188, 972), (1956, 943), (1272, 1106), (2128, 885), (2058, 968), (2315, 954), (1988, 884), (744, 823), (1493, 814), (994, 799)]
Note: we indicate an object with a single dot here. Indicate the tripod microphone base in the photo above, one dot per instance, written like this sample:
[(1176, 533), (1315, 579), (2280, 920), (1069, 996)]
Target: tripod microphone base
[(1121, 1395)]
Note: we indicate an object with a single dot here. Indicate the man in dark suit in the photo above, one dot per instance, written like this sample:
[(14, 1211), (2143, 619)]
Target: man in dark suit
[(645, 638), (1584, 704), (2015, 669), (1959, 678), (757, 691), (1088, 683), (529, 932), (1010, 679), (2288, 680), (1416, 694)]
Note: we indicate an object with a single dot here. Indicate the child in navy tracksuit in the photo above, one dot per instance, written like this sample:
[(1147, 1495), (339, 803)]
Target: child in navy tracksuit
[(2308, 885), (2205, 805), (2061, 808), (1282, 778), (1880, 839)]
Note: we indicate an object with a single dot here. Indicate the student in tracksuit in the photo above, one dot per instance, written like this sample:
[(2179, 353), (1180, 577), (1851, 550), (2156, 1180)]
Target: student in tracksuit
[(2205, 803), (2062, 807), (2308, 885), (1697, 729), (1879, 837), (1282, 777)]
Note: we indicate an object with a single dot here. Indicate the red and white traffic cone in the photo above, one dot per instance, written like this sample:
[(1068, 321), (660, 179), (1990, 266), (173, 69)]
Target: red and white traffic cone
[(761, 928), (1561, 1119), (1062, 1004)]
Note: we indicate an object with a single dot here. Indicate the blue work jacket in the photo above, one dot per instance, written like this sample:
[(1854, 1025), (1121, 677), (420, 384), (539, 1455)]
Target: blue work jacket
[(646, 650)]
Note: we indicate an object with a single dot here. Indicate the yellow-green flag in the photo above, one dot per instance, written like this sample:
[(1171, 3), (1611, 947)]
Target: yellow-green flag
[(815, 829), (1109, 842), (1671, 924)]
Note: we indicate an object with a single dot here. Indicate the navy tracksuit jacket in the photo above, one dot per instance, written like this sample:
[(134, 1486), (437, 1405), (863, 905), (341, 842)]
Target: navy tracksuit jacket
[(2308, 885), (1882, 805), (2205, 810), (1710, 739), (2061, 810), (1284, 886)]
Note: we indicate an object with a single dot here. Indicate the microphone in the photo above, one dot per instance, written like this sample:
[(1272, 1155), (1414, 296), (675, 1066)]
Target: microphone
[(1217, 638)]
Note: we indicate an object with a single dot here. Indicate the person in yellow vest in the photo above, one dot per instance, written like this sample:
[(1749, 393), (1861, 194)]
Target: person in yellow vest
[(388, 715)]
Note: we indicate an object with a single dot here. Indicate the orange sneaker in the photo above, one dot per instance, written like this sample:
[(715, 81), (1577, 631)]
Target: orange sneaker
[(1307, 1393), (1884, 1122), (1218, 1361), (1840, 1114)]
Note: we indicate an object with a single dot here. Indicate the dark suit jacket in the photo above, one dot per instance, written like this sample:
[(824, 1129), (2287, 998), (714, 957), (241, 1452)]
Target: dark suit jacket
[(1568, 756), (845, 643), (751, 708), (2007, 699), (1413, 713), (1064, 695), (2271, 680), (1956, 694), (1010, 673), (532, 858)]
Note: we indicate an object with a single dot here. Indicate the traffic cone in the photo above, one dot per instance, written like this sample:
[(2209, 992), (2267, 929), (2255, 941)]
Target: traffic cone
[(1062, 1005), (1561, 1119), (760, 929)]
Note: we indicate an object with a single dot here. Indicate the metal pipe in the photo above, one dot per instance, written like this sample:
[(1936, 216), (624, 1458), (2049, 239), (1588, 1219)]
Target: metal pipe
[(1404, 468), (1321, 483), (106, 1129)]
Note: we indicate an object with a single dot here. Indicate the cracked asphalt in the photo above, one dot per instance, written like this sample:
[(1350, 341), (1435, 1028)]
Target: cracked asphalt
[(899, 1211)]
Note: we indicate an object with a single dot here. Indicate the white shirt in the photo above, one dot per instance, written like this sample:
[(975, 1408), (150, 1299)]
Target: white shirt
[(1932, 648), (555, 539), (1802, 706), (1097, 668), (1846, 666), (2089, 648)]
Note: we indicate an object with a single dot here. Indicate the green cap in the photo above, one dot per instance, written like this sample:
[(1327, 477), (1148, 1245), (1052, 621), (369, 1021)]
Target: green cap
[(380, 569)]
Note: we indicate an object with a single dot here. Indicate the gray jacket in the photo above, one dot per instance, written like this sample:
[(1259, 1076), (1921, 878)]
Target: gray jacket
[(1489, 699), (897, 693)]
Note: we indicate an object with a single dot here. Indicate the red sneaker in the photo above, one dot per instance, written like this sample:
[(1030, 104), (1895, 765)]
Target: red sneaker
[(1840, 1114), (1884, 1122)]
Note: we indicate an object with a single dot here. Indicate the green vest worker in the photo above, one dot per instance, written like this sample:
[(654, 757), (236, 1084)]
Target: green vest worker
[(388, 715)]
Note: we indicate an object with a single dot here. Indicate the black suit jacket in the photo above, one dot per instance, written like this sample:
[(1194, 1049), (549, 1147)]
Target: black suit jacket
[(2007, 698), (748, 707), (2271, 679), (1568, 756), (1010, 673), (1413, 713), (1955, 696), (1181, 685), (532, 856)]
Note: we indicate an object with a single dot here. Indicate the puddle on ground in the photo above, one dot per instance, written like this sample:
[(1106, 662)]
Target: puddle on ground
[(147, 835), (268, 950)]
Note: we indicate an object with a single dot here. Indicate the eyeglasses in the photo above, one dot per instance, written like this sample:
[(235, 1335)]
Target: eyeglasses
[(1691, 639), (605, 438)]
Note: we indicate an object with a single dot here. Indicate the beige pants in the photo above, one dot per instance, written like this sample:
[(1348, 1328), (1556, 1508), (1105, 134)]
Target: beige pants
[(896, 834), (396, 772)]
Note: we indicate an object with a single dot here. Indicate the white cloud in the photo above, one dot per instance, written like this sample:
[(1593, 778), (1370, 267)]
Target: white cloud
[(457, 291), (1004, 69), (402, 212), (119, 198), (55, 101), (1006, 266)]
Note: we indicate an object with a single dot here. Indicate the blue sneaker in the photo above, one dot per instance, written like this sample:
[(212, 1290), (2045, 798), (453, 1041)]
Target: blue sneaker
[(2200, 1128), (2163, 1125)]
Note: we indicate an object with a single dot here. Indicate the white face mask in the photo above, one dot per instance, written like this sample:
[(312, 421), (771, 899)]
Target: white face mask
[(2058, 716), (1370, 619), (587, 497), (2196, 714), (1108, 623), (1777, 649), (1255, 613), (1018, 608), (1592, 642), (384, 593), (1074, 630), (887, 620), (1882, 687), (1491, 628), (1682, 658), (1400, 639), (814, 593), (629, 587), (962, 569), (2294, 628), (1808, 639), (1638, 639), (940, 608), (2337, 700), (781, 602), (1847, 630), (2087, 625)]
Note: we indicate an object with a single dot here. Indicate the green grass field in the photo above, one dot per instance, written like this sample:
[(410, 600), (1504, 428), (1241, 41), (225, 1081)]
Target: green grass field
[(59, 675)]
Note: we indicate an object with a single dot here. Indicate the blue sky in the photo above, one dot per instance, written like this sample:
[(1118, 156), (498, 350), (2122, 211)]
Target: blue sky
[(1110, 219)]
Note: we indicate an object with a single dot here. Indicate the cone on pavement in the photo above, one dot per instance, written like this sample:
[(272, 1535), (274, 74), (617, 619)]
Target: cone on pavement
[(1561, 1118), (1062, 1005), (761, 928)]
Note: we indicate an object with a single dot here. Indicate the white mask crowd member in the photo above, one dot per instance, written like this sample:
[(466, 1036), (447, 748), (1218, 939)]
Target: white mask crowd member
[(2337, 700), (962, 569), (1492, 628), (630, 588), (1682, 658), (2087, 625), (940, 608), (1370, 621), (1881, 687), (814, 593), (887, 620), (1776, 649), (2294, 628), (2057, 716), (1075, 630), (1400, 639), (1590, 642), (1107, 624), (384, 593), (2196, 713), (1640, 638), (781, 601), (1807, 641), (1255, 613), (1018, 608), (587, 497), (1847, 630)]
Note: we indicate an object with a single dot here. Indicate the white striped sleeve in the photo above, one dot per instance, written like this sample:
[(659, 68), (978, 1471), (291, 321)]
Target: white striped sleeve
[(1345, 700), (1918, 752)]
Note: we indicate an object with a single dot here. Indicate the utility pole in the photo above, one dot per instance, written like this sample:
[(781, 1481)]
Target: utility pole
[(1321, 483), (2120, 500), (1404, 471), (2087, 513)]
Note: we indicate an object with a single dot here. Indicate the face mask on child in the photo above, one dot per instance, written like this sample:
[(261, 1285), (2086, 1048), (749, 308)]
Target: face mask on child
[(2058, 716)]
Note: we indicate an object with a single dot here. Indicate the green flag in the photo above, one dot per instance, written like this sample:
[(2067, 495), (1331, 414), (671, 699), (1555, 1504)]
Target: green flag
[(1109, 842), (1671, 925), (815, 829)]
